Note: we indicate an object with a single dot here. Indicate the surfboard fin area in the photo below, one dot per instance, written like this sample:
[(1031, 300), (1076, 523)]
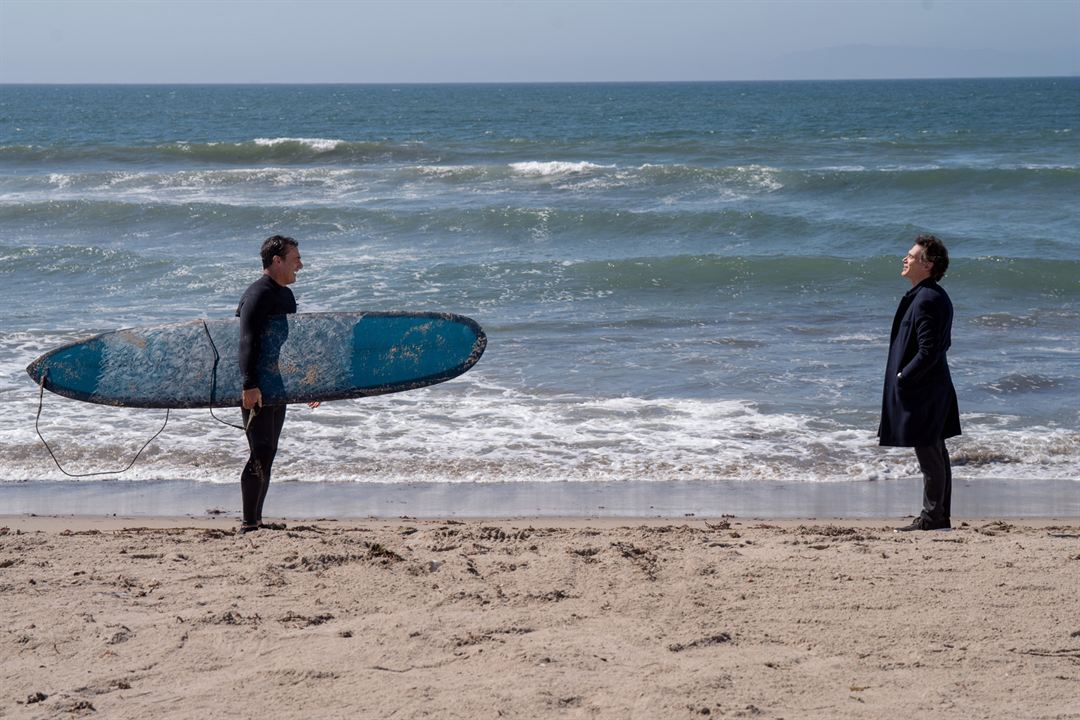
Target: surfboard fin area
[(304, 357)]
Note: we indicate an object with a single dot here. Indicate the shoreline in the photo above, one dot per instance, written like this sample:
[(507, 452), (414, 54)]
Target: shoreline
[(856, 500), (227, 526)]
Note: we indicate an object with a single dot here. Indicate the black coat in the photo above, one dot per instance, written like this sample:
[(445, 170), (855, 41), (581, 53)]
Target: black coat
[(919, 407)]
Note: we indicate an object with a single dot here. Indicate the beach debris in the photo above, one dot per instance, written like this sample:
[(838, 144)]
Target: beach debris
[(80, 706), (120, 636), (322, 561), (550, 596), (475, 638), (305, 528), (644, 559), (375, 550), (437, 547), (445, 540), (995, 527), (587, 553), (494, 533), (304, 620), (272, 576), (36, 697), (826, 530), (717, 639), (233, 618), (426, 568)]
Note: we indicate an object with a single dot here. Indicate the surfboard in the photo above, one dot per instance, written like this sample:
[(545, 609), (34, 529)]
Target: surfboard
[(304, 357)]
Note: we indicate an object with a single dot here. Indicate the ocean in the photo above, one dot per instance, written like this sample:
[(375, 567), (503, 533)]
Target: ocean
[(679, 282)]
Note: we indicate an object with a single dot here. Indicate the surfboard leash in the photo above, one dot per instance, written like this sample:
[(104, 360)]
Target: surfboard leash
[(213, 384), (37, 429)]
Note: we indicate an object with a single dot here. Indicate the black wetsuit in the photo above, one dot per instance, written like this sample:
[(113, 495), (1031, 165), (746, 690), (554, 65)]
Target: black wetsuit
[(261, 300)]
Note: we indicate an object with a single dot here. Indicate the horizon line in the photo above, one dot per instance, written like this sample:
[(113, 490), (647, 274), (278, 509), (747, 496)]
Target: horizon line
[(102, 83)]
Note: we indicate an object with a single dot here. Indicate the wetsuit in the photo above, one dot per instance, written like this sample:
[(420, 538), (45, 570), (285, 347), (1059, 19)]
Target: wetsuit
[(261, 300)]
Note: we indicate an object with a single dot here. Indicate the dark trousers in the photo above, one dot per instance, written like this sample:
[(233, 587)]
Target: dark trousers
[(262, 434), (937, 482)]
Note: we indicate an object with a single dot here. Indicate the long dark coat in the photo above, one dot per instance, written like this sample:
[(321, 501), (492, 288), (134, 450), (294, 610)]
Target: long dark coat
[(919, 407)]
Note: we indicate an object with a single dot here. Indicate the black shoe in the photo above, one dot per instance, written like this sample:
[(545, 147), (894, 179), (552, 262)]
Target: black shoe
[(244, 529), (921, 523), (916, 524)]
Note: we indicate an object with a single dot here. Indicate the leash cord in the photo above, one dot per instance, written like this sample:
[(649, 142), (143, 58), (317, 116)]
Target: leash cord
[(213, 393), (37, 429), (213, 384)]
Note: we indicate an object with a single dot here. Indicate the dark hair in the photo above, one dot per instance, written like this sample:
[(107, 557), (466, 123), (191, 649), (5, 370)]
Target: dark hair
[(934, 251), (276, 245)]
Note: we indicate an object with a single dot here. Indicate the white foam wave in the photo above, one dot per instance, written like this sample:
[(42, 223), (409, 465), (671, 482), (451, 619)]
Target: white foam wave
[(60, 180), (761, 176), (474, 430), (731, 182), (317, 144), (450, 171), (554, 168), (241, 187)]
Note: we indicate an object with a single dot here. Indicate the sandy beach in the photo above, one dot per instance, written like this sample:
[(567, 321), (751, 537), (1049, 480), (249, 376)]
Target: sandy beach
[(599, 618)]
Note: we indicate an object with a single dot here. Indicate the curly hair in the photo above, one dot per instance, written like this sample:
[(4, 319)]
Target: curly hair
[(934, 251)]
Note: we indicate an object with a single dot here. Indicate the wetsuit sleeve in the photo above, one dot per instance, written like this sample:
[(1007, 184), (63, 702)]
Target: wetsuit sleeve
[(251, 326)]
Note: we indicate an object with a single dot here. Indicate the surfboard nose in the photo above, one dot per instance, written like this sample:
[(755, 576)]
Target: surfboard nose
[(71, 370), (35, 369)]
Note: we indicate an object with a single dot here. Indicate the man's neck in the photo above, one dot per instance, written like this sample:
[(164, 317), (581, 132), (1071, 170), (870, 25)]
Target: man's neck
[(916, 283)]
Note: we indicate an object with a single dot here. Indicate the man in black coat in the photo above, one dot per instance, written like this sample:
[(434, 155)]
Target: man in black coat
[(918, 404)]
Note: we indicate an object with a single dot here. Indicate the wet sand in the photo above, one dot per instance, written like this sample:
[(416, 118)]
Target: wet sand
[(890, 499), (538, 617)]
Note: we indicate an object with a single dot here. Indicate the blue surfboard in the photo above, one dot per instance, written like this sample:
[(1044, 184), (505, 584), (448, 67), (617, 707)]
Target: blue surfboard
[(304, 357)]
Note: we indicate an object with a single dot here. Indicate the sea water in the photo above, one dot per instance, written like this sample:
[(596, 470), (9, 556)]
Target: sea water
[(679, 282)]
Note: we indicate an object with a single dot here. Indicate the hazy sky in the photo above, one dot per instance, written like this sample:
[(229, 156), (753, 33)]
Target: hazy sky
[(285, 41)]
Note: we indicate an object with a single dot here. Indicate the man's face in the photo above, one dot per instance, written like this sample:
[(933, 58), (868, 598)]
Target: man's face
[(285, 268), (915, 268)]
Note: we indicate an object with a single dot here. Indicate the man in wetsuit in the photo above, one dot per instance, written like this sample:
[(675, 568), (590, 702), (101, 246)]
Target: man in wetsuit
[(267, 296)]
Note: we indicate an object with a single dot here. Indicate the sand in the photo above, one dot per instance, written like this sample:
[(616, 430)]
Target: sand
[(183, 618)]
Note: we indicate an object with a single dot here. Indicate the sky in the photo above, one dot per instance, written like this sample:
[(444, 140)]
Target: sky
[(439, 41)]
